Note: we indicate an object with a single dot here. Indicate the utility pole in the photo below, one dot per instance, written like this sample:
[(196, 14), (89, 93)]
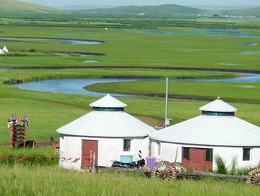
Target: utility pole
[(166, 122)]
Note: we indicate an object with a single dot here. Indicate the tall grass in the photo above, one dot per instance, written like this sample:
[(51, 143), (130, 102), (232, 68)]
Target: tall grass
[(221, 165), (29, 157), (233, 166), (54, 181)]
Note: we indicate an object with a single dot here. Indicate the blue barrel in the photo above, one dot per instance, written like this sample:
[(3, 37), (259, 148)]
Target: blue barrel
[(150, 162), (126, 158)]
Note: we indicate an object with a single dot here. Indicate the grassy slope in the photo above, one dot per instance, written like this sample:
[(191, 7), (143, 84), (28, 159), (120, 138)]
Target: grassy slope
[(244, 12), (15, 8), (55, 181), (161, 11)]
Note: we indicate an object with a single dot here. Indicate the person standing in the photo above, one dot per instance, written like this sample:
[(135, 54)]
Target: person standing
[(140, 155)]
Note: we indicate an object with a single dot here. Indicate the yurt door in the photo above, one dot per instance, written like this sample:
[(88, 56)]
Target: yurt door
[(89, 148), (197, 158)]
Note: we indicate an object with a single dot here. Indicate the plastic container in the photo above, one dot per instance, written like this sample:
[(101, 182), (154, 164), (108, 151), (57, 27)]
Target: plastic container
[(150, 162)]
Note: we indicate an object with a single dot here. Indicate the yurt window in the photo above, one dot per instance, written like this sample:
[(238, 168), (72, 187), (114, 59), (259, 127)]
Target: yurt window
[(127, 144), (209, 153), (246, 154), (186, 153), (108, 109), (210, 113)]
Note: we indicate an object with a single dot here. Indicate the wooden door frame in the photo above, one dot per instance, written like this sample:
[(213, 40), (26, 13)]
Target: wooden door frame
[(82, 142)]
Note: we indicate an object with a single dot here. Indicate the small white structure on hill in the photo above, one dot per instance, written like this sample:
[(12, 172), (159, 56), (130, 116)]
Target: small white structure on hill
[(196, 142), (108, 131), (5, 50)]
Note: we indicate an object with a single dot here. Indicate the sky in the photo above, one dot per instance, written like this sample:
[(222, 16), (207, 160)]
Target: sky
[(57, 3)]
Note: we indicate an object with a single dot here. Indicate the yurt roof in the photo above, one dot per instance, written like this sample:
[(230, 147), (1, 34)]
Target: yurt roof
[(107, 124), (210, 130), (108, 102), (218, 106)]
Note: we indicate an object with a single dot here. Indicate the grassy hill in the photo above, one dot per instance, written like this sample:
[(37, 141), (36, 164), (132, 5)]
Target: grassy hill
[(14, 8), (161, 11), (244, 12)]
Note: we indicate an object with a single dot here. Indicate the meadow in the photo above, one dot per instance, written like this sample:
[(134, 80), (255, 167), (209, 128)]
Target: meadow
[(143, 48), (49, 180), (235, 92)]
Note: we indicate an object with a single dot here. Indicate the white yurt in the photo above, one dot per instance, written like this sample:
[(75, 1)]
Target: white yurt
[(196, 142), (107, 130), (1, 51), (5, 50)]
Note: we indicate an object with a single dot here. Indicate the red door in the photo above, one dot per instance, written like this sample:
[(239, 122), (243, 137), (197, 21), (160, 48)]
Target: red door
[(196, 158), (88, 147)]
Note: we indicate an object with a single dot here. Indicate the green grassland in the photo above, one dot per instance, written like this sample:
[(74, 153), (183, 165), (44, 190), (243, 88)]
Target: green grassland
[(34, 75), (236, 92), (54, 181), (160, 48)]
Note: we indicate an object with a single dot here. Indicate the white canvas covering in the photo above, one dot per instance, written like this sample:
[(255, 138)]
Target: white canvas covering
[(107, 124), (5, 50), (218, 106), (1, 51), (207, 130), (211, 131), (108, 102)]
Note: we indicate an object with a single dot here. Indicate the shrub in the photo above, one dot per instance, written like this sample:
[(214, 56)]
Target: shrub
[(32, 50), (233, 170), (244, 171), (221, 165)]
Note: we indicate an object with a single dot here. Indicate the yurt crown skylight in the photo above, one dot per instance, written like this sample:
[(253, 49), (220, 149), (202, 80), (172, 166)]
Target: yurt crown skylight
[(108, 103), (218, 108)]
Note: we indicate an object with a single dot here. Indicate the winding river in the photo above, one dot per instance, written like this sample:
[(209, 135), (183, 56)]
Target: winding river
[(51, 40), (76, 86)]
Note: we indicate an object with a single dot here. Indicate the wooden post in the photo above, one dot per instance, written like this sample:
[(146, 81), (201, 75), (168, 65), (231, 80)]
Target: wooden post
[(94, 162), (90, 161), (11, 138)]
